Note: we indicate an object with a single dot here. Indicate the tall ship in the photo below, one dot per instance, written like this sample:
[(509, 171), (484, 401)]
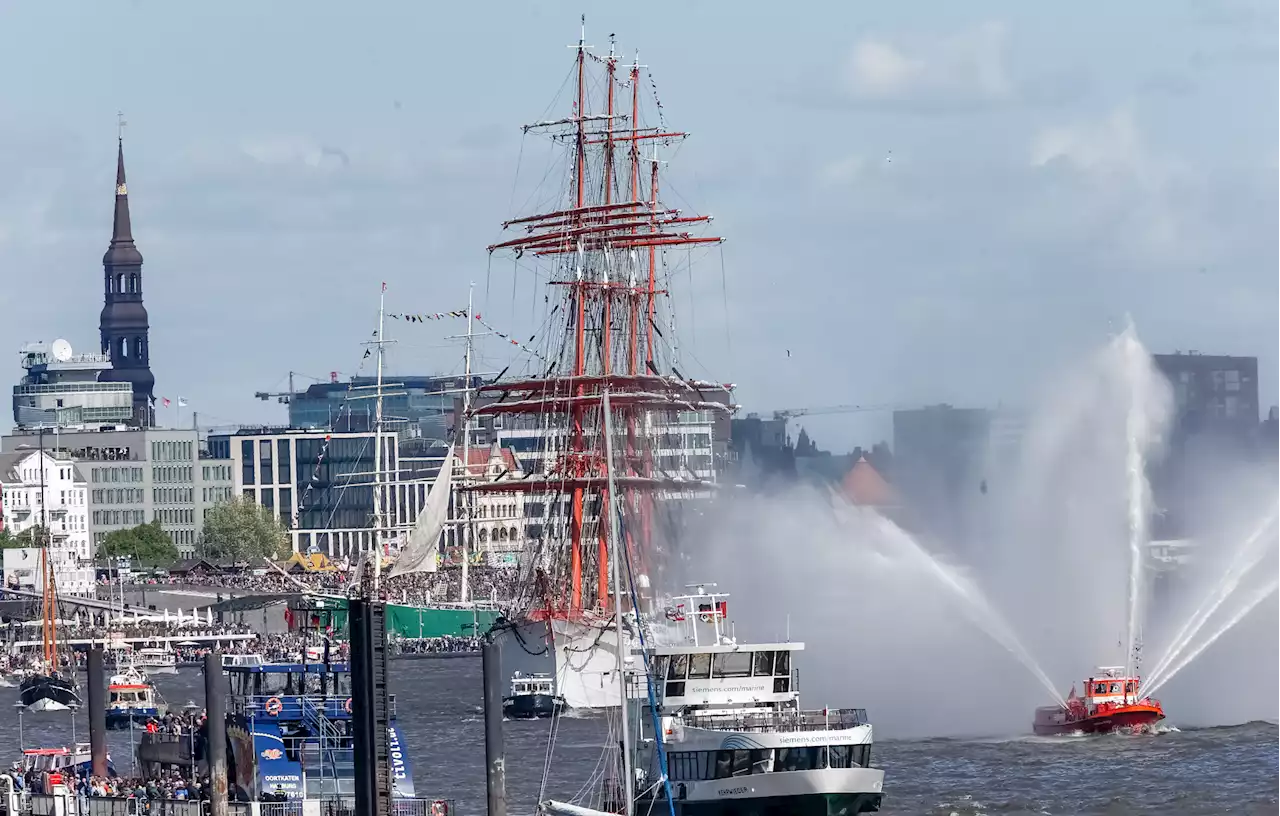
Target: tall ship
[(47, 687), (610, 249)]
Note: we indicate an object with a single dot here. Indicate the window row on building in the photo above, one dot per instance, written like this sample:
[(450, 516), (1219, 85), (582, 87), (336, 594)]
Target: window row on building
[(174, 473), (213, 495), (115, 474), (216, 473), (176, 516), (173, 495), (172, 451), (117, 518), (118, 495)]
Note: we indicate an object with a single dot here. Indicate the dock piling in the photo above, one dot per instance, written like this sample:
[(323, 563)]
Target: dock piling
[(215, 704), (495, 763), (97, 711)]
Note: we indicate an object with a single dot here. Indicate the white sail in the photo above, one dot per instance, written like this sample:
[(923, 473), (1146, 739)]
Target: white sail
[(419, 555)]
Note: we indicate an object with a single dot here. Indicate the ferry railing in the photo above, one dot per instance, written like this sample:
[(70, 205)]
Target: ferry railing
[(260, 706), (819, 720)]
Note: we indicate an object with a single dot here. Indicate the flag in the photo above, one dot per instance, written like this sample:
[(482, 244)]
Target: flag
[(384, 286), (166, 402), (182, 401)]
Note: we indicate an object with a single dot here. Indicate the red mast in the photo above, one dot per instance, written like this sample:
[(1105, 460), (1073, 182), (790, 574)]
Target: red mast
[(590, 248)]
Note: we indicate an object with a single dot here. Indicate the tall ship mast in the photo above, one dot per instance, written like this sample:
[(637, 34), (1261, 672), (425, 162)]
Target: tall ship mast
[(608, 248)]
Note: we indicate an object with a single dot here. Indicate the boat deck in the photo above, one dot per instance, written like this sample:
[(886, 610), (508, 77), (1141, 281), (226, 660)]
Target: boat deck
[(833, 719)]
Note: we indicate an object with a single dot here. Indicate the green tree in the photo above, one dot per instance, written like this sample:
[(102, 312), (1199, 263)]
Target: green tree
[(147, 544), (37, 535), (240, 529), (8, 540)]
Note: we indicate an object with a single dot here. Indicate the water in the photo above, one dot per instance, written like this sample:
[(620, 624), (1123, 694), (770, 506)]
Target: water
[(1137, 438), (1189, 772)]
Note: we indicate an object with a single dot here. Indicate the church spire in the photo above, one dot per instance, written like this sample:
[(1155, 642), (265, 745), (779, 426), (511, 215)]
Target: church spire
[(122, 230), (124, 324)]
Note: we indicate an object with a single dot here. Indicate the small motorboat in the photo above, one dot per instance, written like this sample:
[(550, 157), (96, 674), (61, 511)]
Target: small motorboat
[(1112, 701), (157, 660), (532, 696), (132, 698)]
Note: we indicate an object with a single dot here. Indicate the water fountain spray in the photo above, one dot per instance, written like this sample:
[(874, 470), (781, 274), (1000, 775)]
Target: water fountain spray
[(1252, 600), (1246, 558), (1136, 432)]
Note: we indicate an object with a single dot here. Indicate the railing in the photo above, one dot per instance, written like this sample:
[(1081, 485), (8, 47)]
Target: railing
[(291, 707), (833, 719)]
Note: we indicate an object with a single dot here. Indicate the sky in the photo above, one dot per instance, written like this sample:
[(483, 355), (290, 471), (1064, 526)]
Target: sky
[(923, 202)]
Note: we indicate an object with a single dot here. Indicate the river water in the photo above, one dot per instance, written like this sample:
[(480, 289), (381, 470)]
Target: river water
[(1230, 769)]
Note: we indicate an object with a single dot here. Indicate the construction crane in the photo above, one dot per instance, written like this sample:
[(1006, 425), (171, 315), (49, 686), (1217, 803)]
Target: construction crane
[(285, 397), (789, 413)]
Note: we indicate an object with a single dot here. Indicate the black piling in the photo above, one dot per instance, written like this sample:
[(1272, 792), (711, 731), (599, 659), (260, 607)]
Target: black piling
[(97, 712), (370, 708), (495, 763), (215, 704)]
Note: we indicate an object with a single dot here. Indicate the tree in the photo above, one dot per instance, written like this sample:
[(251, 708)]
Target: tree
[(8, 540), (37, 535), (240, 529), (147, 544)]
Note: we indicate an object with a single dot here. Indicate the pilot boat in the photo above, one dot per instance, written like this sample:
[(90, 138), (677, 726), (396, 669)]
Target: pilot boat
[(1112, 701), (132, 698), (532, 696)]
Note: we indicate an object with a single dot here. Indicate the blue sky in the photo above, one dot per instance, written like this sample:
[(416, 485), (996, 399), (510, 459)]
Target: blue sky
[(923, 202)]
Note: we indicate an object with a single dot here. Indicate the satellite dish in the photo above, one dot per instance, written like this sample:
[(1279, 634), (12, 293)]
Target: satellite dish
[(60, 350)]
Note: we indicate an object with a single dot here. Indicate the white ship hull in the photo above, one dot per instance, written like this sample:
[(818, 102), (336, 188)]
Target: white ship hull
[(581, 655)]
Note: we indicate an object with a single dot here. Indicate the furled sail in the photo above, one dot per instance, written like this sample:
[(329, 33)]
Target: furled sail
[(419, 555)]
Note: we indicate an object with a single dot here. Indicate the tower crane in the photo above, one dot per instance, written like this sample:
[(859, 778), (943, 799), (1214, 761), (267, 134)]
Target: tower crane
[(283, 397), (789, 413)]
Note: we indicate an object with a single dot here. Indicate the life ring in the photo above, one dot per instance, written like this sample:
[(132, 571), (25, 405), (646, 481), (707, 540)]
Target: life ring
[(706, 617), (274, 706), (347, 705), (439, 808)]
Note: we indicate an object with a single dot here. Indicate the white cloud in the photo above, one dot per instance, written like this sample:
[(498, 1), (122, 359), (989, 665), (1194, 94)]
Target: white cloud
[(963, 67)]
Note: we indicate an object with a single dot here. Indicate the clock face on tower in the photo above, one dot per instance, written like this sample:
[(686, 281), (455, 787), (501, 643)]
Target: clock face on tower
[(121, 190)]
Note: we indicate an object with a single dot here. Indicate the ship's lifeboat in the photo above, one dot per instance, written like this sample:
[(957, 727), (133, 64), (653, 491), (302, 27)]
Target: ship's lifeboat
[(1111, 702)]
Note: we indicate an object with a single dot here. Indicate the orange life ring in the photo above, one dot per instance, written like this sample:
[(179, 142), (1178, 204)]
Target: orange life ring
[(274, 706), (439, 808), (347, 705)]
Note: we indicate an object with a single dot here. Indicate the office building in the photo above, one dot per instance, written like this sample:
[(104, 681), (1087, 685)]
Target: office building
[(63, 389), (320, 484), (139, 475), (414, 406), (45, 488), (1215, 395)]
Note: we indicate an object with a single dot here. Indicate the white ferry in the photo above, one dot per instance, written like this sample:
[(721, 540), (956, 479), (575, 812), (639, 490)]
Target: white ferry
[(735, 738), (157, 660)]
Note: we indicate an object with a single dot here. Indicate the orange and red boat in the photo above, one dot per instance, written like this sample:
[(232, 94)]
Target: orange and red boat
[(1111, 702)]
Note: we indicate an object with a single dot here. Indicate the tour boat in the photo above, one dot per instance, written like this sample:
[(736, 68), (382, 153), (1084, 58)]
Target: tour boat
[(532, 696), (1112, 701), (158, 660)]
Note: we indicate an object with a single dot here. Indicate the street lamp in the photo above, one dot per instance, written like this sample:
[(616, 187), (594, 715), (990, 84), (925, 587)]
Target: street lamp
[(191, 708), (19, 707)]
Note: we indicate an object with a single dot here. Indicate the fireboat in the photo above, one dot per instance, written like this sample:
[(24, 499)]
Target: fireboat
[(1111, 702)]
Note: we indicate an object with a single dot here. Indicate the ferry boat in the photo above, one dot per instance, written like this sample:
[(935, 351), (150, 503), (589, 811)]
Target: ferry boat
[(735, 737), (157, 659), (1112, 701), (289, 728), (132, 698), (532, 696)]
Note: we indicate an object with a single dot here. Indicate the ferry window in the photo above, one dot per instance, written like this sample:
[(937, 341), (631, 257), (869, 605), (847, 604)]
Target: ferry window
[(658, 666), (782, 665), (1129, 687), (1115, 688), (861, 756), (700, 667), (798, 759), (741, 763), (849, 756), (724, 762), (679, 666), (1100, 688), (764, 664), (731, 664)]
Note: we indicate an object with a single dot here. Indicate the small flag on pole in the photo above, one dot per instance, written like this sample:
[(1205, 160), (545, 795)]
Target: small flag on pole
[(166, 402), (384, 286), (182, 401)]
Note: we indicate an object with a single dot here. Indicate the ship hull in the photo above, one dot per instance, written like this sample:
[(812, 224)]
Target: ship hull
[(530, 706), (42, 693), (1121, 718)]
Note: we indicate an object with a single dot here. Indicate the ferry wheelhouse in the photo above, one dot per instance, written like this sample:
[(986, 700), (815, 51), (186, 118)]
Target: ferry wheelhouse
[(1112, 701), (532, 696), (289, 728), (735, 736)]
